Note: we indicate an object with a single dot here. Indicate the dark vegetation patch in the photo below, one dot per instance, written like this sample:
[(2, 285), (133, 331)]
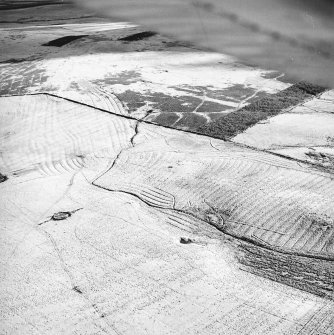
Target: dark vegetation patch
[(17, 4), (165, 103), (190, 121), (59, 42), (229, 125), (132, 100), (180, 104), (3, 178), (310, 88), (137, 36), (305, 273), (168, 104), (213, 107), (214, 116), (166, 119), (175, 44), (186, 240), (18, 60)]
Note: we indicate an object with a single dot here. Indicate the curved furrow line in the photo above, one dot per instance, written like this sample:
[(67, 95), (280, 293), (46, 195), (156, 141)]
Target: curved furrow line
[(239, 189), (78, 161), (65, 165), (277, 215), (74, 139), (325, 239), (266, 215), (93, 93), (56, 166), (272, 220), (50, 167), (264, 228), (327, 247), (280, 216), (211, 189), (51, 134), (179, 224), (298, 243), (296, 234), (299, 181), (268, 159), (265, 202), (239, 166), (264, 212), (278, 163), (303, 205), (168, 178), (120, 137), (228, 200), (44, 170), (244, 200), (72, 164), (152, 133), (30, 143), (47, 125), (162, 177), (315, 240), (41, 170), (222, 194), (221, 189), (158, 194), (152, 198), (110, 100), (205, 187), (151, 195), (186, 219), (284, 227), (317, 244), (98, 97), (150, 160)]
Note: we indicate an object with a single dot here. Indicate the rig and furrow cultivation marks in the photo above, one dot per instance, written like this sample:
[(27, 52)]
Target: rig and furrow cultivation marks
[(265, 199), (70, 136)]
